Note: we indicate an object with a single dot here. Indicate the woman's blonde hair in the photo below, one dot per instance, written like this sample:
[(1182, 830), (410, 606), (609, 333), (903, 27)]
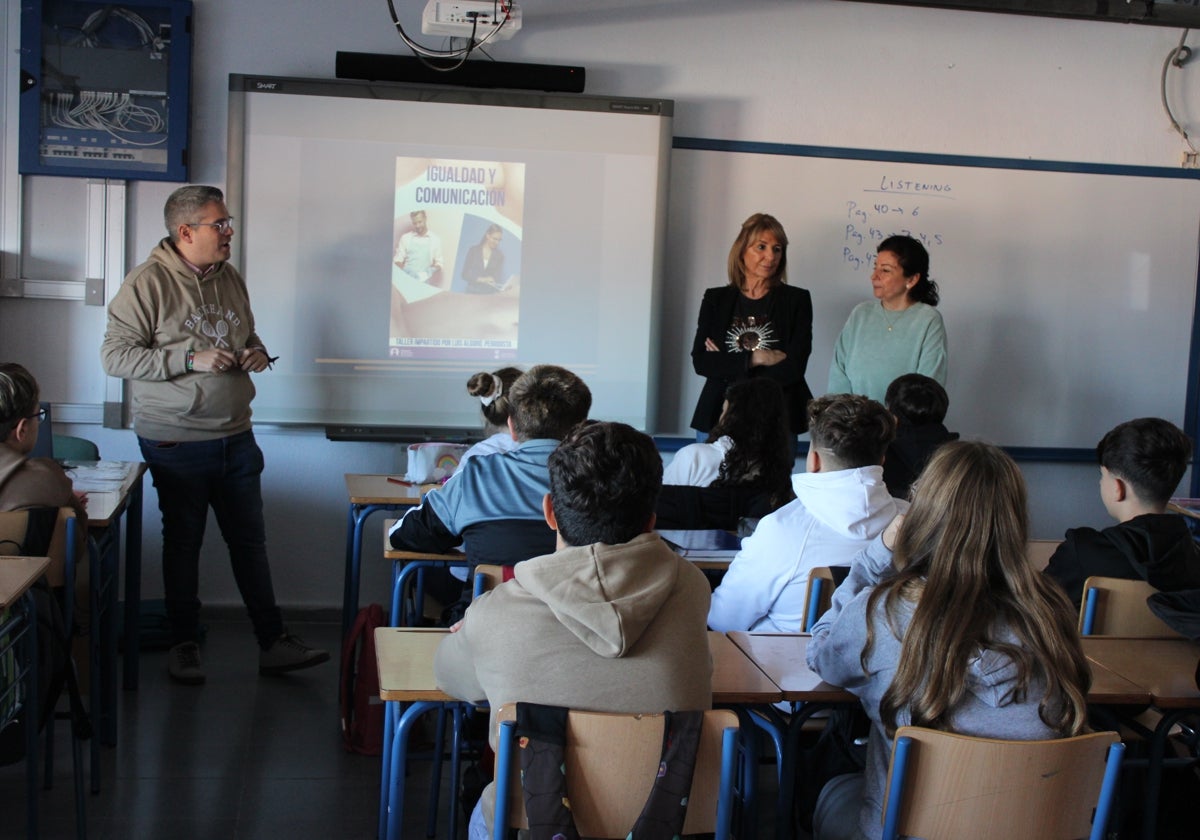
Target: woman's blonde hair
[(961, 552), (752, 228)]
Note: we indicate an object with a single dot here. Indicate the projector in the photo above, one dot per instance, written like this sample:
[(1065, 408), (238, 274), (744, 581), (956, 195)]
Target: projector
[(489, 20)]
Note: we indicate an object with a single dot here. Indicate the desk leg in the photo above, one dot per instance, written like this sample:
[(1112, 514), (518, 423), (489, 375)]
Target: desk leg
[(1154, 768), (785, 817), (748, 751), (108, 633), (358, 517), (399, 766), (390, 711), (32, 701), (133, 586), (349, 591), (401, 572), (98, 574)]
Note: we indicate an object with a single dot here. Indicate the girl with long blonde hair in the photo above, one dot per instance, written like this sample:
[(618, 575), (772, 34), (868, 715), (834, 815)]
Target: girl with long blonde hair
[(943, 623)]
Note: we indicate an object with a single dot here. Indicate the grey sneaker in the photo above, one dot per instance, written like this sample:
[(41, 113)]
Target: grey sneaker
[(183, 664), (289, 653)]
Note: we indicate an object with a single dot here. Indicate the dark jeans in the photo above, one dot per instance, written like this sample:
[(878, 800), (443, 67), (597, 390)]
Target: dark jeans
[(225, 474)]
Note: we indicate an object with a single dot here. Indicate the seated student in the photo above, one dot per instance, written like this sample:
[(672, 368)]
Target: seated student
[(1141, 463), (493, 505), (841, 504), (611, 621), (26, 482), (746, 465), (919, 404), (943, 623), (494, 391)]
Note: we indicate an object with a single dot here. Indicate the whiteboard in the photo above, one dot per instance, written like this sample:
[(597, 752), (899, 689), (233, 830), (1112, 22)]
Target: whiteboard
[(1068, 296)]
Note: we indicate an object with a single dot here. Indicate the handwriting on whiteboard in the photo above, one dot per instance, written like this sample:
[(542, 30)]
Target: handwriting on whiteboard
[(895, 206)]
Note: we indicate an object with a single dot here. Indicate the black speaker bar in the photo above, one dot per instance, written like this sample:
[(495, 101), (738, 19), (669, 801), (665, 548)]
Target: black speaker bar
[(379, 67)]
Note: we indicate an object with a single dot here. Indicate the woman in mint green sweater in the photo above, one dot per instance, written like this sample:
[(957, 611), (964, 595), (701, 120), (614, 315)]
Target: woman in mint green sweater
[(900, 332)]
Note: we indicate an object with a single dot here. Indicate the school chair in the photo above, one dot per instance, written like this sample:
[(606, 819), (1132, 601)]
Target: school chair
[(610, 763), (1039, 552), (943, 786), (19, 698), (819, 593), (1117, 607), (52, 532), (70, 448), (487, 578)]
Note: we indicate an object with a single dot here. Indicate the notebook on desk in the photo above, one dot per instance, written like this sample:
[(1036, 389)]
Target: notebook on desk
[(702, 543)]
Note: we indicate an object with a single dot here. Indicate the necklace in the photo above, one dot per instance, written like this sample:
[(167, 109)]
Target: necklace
[(891, 322)]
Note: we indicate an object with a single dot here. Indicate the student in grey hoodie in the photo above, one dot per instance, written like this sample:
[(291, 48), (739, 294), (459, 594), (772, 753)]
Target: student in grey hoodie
[(612, 621), (943, 623)]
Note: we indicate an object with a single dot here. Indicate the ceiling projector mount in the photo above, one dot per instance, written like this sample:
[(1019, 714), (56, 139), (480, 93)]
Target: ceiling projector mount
[(477, 20)]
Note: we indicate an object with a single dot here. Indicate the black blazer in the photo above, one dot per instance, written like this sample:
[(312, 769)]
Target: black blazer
[(791, 318)]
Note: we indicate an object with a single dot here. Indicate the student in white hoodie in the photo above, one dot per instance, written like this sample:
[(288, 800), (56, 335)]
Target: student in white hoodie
[(841, 505)]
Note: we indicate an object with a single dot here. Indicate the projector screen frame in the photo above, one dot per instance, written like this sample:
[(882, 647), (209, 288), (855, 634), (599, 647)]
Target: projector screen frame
[(339, 427)]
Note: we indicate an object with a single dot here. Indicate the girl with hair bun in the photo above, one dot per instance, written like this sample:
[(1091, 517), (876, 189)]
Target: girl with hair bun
[(492, 390)]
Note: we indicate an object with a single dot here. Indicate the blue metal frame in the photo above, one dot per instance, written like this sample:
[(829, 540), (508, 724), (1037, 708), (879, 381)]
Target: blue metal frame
[(812, 609), (19, 632), (1089, 611)]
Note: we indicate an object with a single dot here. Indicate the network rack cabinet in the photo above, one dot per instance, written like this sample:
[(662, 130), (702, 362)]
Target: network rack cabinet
[(105, 87)]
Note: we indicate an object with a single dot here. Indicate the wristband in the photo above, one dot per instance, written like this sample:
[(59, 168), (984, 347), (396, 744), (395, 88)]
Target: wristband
[(190, 362)]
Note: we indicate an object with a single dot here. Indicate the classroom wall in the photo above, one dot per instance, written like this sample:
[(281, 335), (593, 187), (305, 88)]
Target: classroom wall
[(819, 72)]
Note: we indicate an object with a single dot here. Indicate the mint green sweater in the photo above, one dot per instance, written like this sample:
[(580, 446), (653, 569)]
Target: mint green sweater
[(868, 356)]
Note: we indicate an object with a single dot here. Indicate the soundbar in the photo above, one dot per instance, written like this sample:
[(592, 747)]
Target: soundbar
[(379, 67)]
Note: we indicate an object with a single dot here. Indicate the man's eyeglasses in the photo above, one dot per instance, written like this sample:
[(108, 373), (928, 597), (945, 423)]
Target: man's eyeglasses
[(41, 415), (223, 226)]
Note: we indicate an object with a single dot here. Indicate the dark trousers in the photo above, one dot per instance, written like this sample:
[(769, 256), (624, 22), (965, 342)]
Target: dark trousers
[(225, 474)]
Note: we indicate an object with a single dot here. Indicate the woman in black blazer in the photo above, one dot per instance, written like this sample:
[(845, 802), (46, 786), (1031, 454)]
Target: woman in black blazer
[(755, 326)]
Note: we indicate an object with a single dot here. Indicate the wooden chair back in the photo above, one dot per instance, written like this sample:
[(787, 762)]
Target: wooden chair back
[(1117, 607), (14, 525), (611, 763), (1039, 552), (818, 592), (487, 578), (942, 786)]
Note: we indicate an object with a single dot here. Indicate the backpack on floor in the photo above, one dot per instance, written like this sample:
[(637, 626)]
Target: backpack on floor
[(361, 708)]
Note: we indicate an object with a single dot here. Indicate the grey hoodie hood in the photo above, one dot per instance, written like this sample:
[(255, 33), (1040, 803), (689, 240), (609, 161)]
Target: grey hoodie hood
[(604, 594)]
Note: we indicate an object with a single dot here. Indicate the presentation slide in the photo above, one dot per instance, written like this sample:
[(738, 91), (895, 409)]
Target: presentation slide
[(479, 204), (397, 240)]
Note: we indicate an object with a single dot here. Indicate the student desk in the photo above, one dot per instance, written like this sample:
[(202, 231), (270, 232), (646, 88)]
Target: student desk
[(405, 659), (114, 490), (1166, 668), (404, 565), (368, 494), (19, 629)]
